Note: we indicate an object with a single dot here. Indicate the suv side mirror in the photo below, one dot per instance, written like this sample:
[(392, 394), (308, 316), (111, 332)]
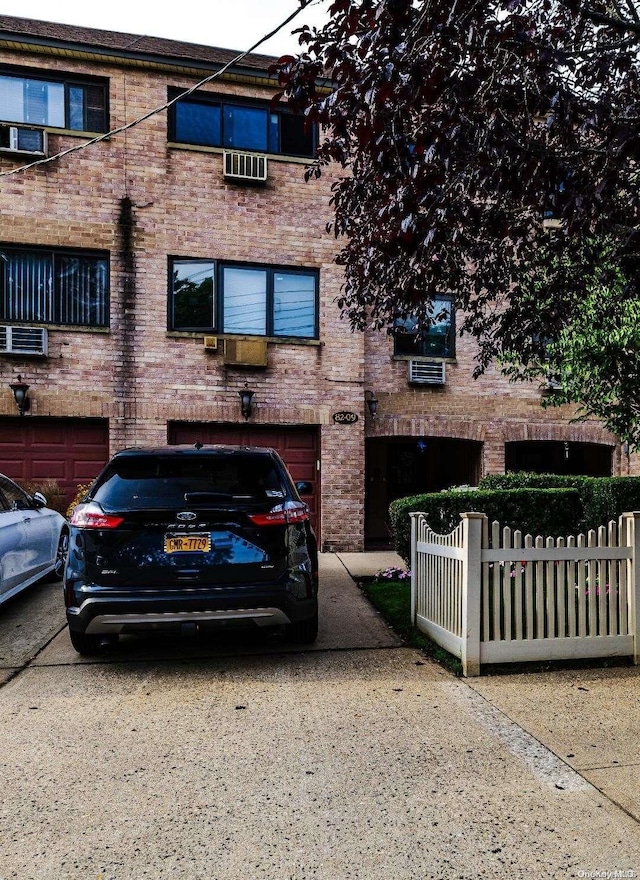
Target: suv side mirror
[(304, 487), (39, 500)]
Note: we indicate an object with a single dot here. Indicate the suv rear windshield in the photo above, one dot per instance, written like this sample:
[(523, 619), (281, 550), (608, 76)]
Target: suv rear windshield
[(143, 482)]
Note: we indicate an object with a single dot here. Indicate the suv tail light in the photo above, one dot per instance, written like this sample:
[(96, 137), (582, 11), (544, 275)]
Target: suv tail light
[(91, 516), (282, 514)]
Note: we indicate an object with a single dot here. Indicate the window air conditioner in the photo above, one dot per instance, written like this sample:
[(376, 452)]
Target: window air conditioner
[(22, 140), (30, 341), (426, 373), (245, 352), (249, 167)]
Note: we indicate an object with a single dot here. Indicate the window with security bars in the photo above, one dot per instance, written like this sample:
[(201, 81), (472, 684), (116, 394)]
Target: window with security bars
[(54, 287), (217, 297)]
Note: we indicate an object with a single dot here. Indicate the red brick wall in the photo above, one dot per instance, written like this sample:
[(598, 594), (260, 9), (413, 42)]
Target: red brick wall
[(489, 409), (136, 374), (139, 377)]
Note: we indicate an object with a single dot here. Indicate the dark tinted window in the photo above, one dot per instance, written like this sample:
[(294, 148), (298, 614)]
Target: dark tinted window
[(198, 124), (296, 139), (143, 482), (193, 284), (13, 495), (215, 122), (245, 127)]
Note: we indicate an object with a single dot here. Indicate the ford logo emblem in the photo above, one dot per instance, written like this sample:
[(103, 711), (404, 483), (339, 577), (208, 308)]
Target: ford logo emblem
[(187, 515)]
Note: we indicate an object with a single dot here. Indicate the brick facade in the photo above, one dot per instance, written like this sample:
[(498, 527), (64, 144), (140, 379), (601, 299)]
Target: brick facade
[(141, 199)]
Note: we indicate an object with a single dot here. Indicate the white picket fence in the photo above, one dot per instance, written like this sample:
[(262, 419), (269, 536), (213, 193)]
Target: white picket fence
[(492, 595)]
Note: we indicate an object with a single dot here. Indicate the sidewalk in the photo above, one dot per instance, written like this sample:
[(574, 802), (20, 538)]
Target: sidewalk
[(369, 564), (589, 718), (347, 618)]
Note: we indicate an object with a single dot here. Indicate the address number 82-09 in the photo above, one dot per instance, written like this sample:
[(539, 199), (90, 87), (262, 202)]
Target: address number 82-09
[(200, 543)]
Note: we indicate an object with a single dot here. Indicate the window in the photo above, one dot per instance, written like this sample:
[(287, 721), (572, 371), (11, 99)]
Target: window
[(54, 287), (437, 341), (214, 122), (12, 497), (211, 296), (59, 103), (193, 288), (137, 482)]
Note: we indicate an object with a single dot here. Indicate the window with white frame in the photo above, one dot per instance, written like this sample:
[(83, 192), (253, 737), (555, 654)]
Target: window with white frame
[(241, 298)]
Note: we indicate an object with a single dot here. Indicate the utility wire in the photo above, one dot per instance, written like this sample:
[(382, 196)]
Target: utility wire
[(134, 122)]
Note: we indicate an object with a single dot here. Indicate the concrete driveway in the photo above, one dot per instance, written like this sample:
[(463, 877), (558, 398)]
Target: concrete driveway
[(353, 760)]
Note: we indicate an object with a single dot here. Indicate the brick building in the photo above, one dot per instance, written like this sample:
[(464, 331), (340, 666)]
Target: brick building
[(149, 278)]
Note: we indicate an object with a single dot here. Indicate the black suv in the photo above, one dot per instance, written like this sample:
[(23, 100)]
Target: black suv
[(182, 536)]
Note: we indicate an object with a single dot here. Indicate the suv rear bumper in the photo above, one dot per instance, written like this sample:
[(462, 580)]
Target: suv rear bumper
[(117, 623), (155, 611)]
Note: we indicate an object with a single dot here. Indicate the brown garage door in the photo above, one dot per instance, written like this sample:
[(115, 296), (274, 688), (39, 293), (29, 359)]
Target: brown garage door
[(70, 451), (297, 446)]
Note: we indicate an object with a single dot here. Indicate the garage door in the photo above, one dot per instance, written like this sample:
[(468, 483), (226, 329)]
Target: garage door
[(297, 446), (70, 451)]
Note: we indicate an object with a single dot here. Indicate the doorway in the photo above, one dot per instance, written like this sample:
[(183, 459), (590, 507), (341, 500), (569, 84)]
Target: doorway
[(396, 467)]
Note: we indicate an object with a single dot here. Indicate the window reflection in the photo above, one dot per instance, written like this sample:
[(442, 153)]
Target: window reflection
[(436, 341)]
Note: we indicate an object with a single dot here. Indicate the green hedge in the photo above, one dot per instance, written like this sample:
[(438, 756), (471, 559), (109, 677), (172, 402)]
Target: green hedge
[(556, 511), (602, 498)]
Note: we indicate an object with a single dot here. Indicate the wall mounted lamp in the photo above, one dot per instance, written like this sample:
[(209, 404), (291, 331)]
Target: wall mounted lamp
[(372, 403), (20, 390), (246, 396)]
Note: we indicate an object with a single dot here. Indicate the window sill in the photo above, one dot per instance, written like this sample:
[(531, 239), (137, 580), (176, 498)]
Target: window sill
[(272, 157), (66, 328), (278, 340), (424, 357), (67, 132)]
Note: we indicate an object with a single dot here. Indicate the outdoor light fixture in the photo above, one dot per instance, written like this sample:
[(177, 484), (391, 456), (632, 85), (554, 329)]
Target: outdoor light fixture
[(245, 401), (20, 389), (372, 403), (566, 450)]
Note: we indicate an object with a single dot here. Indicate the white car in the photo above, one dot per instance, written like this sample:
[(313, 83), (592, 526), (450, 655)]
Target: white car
[(33, 539)]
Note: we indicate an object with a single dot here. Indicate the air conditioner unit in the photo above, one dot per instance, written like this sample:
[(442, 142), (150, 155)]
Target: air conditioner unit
[(211, 343), (23, 141), (426, 373), (250, 167), (245, 352), (30, 341)]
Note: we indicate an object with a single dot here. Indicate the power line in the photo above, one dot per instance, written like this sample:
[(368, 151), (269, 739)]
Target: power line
[(185, 94)]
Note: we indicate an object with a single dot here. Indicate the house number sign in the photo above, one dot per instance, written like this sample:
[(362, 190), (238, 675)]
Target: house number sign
[(345, 418)]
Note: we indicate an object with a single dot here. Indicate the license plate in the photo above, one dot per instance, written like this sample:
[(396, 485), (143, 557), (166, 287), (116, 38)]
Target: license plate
[(198, 542)]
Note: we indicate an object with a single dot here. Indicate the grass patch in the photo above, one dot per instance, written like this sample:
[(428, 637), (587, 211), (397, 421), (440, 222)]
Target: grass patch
[(393, 600)]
